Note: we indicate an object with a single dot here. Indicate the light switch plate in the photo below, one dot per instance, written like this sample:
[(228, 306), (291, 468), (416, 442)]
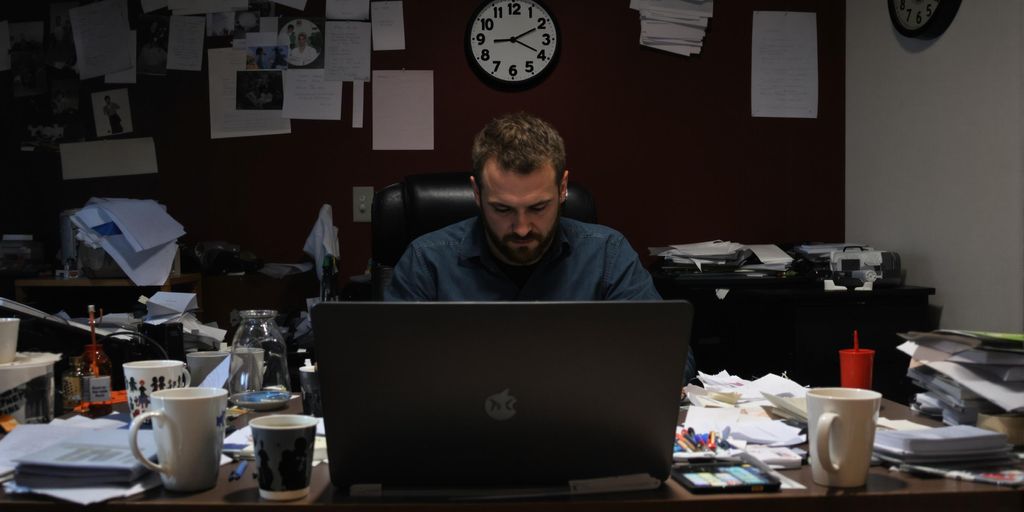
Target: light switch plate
[(362, 203)]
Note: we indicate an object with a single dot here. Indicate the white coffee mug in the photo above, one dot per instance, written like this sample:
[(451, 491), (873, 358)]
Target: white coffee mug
[(841, 428), (188, 426), (8, 339), (143, 378)]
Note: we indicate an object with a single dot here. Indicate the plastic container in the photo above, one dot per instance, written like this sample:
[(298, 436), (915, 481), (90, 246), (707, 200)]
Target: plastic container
[(27, 387)]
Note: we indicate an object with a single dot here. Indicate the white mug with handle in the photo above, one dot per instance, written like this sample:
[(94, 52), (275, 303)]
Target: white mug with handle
[(188, 426), (841, 431)]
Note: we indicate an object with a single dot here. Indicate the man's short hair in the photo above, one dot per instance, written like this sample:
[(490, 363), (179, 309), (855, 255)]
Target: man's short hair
[(521, 143)]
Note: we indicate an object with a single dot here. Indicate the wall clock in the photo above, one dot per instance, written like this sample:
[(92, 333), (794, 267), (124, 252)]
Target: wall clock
[(923, 19), (512, 44)]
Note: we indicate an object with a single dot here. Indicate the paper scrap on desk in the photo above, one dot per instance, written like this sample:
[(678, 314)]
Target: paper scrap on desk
[(116, 157), (784, 65), (388, 25), (127, 76), (30, 438), (79, 421), (403, 110), (190, 324), (5, 45), (219, 375), (773, 384), (185, 43), (348, 51), (707, 419), (100, 30), (769, 432), (770, 253), (171, 303), (348, 9), (308, 96), (225, 119)]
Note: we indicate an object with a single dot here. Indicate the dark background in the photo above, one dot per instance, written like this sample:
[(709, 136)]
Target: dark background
[(665, 143)]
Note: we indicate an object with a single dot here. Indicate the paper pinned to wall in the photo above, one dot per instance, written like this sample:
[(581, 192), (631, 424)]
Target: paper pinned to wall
[(100, 30), (149, 6), (127, 76), (403, 110), (348, 51), (388, 25), (116, 157), (268, 24), (185, 43), (185, 7), (348, 9), (784, 65), (357, 103), (225, 119), (308, 96), (294, 4)]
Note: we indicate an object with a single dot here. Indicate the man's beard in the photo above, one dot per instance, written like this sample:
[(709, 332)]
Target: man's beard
[(520, 254)]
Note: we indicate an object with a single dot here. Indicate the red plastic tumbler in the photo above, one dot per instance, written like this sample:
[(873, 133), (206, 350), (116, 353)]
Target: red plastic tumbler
[(855, 365)]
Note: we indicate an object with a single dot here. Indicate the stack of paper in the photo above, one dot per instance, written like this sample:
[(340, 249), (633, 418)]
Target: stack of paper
[(137, 233), (165, 307), (90, 457), (711, 256), (943, 445), (676, 26), (966, 373)]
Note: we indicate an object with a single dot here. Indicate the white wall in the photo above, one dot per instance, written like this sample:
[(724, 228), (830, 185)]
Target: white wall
[(934, 156)]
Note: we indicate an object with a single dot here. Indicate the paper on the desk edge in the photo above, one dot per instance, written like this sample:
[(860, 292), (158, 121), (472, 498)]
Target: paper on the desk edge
[(89, 495)]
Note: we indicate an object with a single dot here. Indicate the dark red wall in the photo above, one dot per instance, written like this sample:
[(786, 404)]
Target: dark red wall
[(665, 143)]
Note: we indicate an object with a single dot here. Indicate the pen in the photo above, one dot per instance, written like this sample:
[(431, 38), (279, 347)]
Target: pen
[(711, 439), (239, 471)]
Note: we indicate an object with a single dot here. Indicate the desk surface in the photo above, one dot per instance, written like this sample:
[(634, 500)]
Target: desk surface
[(885, 490)]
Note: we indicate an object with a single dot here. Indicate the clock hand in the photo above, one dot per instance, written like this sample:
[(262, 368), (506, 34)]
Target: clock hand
[(503, 40), (523, 34), (524, 44)]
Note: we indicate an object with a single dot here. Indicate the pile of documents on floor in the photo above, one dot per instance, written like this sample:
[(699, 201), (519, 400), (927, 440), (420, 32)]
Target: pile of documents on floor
[(676, 26), (723, 256), (968, 376)]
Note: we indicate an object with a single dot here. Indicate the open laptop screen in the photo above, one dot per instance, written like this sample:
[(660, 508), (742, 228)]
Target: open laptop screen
[(499, 393)]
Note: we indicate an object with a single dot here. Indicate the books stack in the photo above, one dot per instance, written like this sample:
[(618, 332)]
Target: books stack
[(966, 373)]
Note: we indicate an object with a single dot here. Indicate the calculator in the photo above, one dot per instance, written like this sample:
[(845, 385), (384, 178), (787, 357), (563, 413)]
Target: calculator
[(724, 477)]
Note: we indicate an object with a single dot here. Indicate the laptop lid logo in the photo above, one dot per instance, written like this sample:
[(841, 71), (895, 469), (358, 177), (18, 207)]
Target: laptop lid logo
[(501, 406)]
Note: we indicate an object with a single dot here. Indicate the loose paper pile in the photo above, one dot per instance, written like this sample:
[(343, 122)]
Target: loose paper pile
[(165, 307), (676, 26)]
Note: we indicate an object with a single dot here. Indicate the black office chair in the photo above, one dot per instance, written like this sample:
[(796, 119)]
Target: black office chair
[(422, 203)]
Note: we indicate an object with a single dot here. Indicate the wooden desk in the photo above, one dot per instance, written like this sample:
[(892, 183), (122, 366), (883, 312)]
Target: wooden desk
[(884, 491), (185, 282)]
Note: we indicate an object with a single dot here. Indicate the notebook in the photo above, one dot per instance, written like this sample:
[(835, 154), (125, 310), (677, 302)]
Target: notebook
[(500, 398)]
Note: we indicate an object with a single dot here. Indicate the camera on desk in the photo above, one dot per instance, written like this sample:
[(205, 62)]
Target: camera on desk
[(855, 268)]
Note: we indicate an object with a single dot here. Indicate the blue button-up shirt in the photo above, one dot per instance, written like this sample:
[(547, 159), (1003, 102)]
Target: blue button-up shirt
[(585, 262)]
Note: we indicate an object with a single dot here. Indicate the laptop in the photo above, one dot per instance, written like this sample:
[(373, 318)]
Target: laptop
[(500, 398)]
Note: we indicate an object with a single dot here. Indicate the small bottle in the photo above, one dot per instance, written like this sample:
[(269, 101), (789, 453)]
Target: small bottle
[(96, 376), (71, 384)]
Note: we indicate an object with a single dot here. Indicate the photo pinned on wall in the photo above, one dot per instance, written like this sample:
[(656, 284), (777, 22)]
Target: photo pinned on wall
[(60, 45), (220, 24), (152, 35), (42, 129), (266, 57), (259, 90), (305, 41), (112, 112), (28, 66)]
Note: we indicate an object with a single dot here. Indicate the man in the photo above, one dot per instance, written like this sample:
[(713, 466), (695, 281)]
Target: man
[(520, 247), (302, 54)]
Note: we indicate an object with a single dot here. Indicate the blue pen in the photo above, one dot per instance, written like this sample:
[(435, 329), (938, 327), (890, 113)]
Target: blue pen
[(239, 471)]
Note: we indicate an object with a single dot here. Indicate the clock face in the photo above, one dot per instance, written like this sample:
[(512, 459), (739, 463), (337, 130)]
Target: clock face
[(512, 43), (924, 19)]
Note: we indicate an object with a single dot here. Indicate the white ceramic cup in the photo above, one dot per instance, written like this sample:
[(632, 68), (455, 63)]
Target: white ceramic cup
[(841, 428), (188, 426), (8, 339), (143, 378)]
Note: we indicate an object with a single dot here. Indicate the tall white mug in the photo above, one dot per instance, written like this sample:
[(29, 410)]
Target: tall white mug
[(841, 427), (188, 425)]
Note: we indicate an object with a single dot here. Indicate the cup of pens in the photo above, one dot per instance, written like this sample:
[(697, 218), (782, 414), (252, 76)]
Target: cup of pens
[(855, 365)]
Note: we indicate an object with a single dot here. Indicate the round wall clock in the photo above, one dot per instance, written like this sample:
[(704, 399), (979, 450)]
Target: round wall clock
[(923, 19), (512, 44)]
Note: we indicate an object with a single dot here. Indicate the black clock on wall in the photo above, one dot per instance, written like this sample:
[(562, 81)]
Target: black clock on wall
[(923, 19), (512, 44)]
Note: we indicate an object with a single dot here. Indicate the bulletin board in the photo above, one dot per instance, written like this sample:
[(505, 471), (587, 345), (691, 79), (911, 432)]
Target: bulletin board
[(665, 143)]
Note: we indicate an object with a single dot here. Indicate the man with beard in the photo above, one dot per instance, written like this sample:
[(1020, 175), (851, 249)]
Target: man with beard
[(520, 247)]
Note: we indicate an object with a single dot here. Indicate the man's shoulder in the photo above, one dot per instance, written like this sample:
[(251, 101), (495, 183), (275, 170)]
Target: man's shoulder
[(578, 230), (451, 235)]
